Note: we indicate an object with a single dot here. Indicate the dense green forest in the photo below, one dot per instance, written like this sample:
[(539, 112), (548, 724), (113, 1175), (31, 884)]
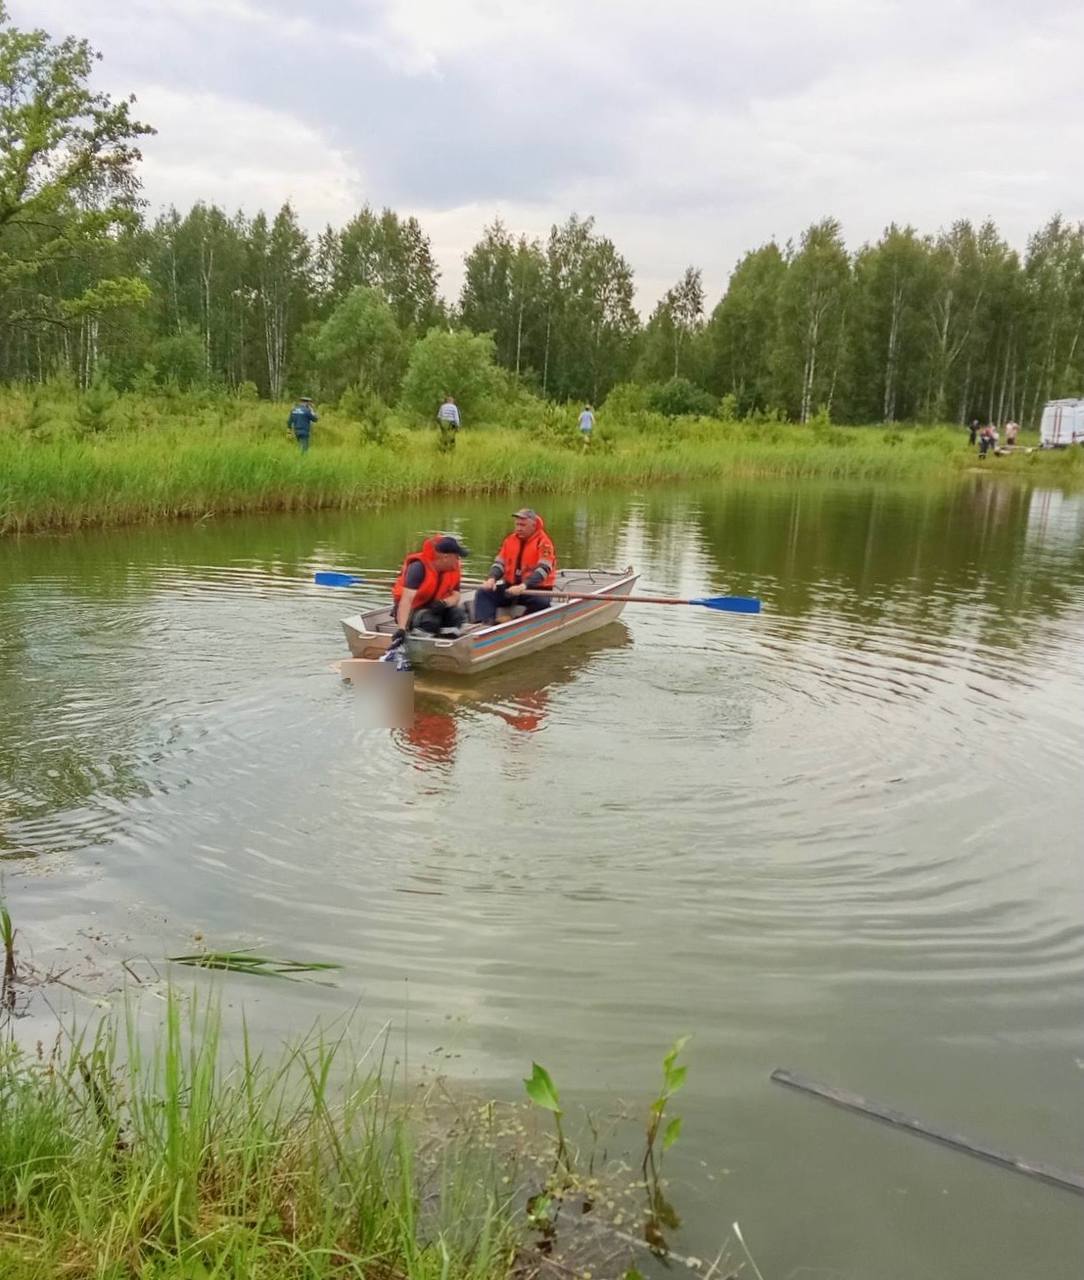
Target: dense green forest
[(927, 327)]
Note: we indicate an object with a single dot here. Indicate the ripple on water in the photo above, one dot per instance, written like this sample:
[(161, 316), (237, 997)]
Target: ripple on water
[(834, 778), (845, 830)]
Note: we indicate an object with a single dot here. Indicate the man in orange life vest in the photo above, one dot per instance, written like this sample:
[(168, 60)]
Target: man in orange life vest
[(426, 592), (526, 559)]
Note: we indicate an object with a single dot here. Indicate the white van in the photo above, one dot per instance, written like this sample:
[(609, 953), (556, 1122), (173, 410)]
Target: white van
[(1062, 423)]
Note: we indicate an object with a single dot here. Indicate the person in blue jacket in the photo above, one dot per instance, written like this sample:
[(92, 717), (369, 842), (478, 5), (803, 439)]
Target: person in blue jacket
[(302, 416)]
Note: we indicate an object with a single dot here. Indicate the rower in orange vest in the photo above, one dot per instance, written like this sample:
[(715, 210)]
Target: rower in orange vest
[(526, 559)]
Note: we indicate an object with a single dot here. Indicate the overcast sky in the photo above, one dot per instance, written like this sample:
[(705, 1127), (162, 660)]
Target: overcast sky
[(692, 129)]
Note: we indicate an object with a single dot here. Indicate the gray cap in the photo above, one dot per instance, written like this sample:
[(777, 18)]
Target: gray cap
[(525, 513)]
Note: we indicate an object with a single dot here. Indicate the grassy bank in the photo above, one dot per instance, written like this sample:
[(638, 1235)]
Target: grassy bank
[(157, 459), (117, 1161)]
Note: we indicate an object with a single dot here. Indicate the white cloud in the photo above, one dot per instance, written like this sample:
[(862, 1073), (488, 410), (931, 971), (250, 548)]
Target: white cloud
[(240, 155), (692, 130)]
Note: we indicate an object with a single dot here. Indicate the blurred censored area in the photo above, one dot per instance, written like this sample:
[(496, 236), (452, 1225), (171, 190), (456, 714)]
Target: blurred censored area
[(385, 695)]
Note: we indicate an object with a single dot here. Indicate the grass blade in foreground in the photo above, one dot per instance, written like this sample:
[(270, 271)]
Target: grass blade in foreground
[(246, 962)]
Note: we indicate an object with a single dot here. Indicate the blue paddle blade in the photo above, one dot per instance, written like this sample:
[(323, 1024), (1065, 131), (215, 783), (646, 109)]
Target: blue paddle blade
[(730, 604), (336, 579)]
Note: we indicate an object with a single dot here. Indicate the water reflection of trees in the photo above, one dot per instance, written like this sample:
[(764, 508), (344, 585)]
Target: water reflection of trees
[(67, 724), (76, 613), (983, 559), (945, 554)]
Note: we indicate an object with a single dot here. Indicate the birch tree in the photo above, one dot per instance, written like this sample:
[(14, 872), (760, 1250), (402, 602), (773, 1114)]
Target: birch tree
[(892, 281), (279, 256), (812, 305)]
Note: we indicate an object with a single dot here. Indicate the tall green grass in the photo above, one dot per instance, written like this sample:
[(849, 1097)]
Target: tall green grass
[(118, 1161), (168, 458)]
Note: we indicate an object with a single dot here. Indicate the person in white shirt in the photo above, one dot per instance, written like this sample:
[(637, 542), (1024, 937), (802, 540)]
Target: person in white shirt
[(587, 423), (448, 423)]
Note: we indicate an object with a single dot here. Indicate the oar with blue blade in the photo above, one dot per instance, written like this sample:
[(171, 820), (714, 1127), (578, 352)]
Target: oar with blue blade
[(327, 578), (724, 604)]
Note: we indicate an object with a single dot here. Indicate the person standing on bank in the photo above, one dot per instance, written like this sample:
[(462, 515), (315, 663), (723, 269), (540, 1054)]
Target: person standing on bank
[(426, 592), (587, 424), (987, 440), (526, 559), (973, 431), (300, 421), (448, 422)]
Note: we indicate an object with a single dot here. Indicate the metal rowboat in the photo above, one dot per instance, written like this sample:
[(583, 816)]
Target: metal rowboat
[(481, 648)]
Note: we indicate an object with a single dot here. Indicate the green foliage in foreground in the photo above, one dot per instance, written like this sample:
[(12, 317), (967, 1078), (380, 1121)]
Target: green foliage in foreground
[(117, 1162), (185, 456), (247, 962)]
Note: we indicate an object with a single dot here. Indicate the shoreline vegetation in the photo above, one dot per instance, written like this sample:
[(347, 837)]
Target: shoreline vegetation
[(158, 1139), (152, 458), (205, 322), (124, 1154), (166, 1151)]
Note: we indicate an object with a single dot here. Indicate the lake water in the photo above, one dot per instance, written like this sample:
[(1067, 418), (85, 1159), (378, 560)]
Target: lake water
[(844, 837)]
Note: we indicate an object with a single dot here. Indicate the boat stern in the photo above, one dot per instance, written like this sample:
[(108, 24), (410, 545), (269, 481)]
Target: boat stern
[(362, 642)]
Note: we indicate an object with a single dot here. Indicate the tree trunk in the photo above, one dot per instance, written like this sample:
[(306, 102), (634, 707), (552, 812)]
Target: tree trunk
[(1024, 391), (892, 359), (207, 260), (835, 364), (941, 330), (1067, 371), (965, 394), (175, 296), (809, 371), (1003, 392)]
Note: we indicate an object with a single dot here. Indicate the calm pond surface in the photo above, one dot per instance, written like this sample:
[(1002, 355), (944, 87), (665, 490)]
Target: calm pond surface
[(844, 837)]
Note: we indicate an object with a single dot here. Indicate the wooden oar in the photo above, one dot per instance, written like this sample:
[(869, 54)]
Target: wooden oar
[(328, 579), (725, 604)]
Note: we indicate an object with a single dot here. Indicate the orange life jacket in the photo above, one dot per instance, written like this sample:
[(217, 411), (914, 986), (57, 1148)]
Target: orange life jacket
[(521, 556), (435, 585)]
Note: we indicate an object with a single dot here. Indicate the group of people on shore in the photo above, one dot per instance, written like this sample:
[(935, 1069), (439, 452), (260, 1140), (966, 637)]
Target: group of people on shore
[(449, 422), (302, 416), (988, 437), (426, 595)]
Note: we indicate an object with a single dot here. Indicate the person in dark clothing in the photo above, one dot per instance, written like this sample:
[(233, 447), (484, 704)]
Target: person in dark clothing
[(973, 431), (986, 442), (302, 416), (426, 592)]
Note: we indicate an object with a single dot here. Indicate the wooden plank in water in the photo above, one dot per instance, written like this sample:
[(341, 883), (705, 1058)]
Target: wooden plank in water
[(855, 1102)]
